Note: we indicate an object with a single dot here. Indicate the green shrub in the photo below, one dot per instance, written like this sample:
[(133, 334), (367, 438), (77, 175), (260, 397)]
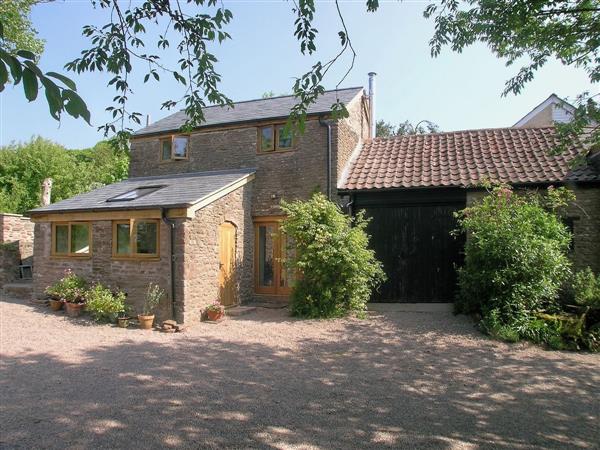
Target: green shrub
[(515, 254), (586, 288), (70, 288), (337, 270), (103, 304)]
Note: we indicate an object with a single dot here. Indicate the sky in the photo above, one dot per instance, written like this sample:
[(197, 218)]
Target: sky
[(456, 91)]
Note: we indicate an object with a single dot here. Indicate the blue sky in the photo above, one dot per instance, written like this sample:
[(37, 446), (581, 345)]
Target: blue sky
[(456, 91)]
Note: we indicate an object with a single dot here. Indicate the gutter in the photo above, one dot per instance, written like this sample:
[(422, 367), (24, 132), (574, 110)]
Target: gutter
[(328, 123), (171, 224)]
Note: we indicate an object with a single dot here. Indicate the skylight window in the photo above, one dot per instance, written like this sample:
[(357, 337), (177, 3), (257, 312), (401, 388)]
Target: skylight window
[(134, 194)]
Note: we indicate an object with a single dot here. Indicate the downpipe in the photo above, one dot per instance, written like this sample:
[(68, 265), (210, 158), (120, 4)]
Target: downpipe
[(328, 123), (171, 224)]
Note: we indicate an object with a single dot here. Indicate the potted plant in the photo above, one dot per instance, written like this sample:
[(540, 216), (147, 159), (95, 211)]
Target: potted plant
[(69, 290), (153, 296), (215, 311), (124, 317), (104, 304)]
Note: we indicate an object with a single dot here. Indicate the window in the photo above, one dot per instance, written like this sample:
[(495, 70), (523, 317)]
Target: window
[(271, 252), (134, 194), (174, 148), (136, 238), (71, 239), (273, 138)]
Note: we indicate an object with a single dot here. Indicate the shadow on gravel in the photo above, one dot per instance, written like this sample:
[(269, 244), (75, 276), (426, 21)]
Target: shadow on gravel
[(385, 386)]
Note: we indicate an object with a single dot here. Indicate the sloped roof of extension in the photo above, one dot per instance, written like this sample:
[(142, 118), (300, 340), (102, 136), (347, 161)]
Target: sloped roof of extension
[(463, 159), (173, 191), (252, 111)]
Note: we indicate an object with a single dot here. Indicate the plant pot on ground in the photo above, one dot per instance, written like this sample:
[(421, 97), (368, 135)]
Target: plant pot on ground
[(215, 311), (70, 289), (74, 309), (123, 322), (153, 295), (56, 304)]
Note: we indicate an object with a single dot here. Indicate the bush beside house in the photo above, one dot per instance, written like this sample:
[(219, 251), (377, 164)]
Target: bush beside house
[(516, 265), (336, 269)]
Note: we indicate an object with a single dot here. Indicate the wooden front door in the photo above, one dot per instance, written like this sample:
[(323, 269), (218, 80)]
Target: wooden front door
[(227, 294), (271, 252)]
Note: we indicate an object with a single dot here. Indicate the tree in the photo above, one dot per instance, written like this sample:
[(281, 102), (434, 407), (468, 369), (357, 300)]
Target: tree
[(19, 33), (541, 29), (568, 30), (23, 167), (387, 129)]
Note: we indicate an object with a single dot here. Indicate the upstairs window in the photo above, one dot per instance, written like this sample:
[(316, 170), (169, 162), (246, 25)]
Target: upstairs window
[(174, 148), (71, 239), (272, 138)]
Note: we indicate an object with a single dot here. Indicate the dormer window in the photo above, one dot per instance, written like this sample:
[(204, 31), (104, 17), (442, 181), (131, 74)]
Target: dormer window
[(174, 148), (272, 138)]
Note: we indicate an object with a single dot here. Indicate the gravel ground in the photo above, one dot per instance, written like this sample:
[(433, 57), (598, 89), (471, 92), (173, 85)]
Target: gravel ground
[(264, 380)]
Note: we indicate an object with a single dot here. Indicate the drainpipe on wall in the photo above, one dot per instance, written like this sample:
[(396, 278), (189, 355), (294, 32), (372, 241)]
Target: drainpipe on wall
[(328, 123), (171, 224)]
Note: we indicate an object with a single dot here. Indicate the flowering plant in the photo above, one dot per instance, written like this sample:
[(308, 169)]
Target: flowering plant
[(70, 288), (215, 306)]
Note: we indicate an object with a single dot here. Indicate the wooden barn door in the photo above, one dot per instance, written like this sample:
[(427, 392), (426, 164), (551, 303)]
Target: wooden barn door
[(419, 255)]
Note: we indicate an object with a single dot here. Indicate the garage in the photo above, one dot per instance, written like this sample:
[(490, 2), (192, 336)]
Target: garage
[(411, 235)]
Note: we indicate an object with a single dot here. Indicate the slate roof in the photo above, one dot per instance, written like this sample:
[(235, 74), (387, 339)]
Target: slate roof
[(252, 110), (462, 159), (177, 191)]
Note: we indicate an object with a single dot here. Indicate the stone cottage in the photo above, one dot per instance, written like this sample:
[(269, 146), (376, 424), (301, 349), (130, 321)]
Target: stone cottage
[(200, 212)]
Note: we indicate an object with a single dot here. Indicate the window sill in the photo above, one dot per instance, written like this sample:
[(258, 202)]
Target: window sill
[(273, 152), (136, 258), (71, 256)]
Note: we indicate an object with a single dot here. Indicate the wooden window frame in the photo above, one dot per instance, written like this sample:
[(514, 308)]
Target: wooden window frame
[(173, 157), (275, 148), (133, 240), (70, 254), (278, 242)]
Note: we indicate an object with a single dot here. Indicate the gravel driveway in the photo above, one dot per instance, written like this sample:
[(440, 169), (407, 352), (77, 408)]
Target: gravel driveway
[(264, 380)]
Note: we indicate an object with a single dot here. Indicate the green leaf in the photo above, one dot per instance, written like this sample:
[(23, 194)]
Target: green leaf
[(66, 81), (3, 75), (75, 106), (26, 54), (16, 70), (55, 101), (30, 84)]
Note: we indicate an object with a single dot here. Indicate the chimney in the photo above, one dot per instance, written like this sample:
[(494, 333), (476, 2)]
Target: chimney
[(147, 119), (372, 120), (46, 191)]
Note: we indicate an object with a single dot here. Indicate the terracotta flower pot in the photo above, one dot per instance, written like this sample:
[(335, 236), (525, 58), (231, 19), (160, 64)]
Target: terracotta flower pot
[(146, 321), (56, 305), (74, 309), (214, 315), (123, 322)]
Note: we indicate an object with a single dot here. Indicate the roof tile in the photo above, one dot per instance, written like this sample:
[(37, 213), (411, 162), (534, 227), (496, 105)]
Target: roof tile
[(465, 158)]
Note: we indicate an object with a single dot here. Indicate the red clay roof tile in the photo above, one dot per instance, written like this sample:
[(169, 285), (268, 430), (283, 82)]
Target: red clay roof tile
[(464, 158)]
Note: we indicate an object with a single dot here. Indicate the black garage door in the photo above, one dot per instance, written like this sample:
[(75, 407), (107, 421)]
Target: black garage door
[(410, 233)]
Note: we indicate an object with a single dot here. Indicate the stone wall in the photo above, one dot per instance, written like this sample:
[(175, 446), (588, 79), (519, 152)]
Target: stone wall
[(585, 215), (16, 245), (288, 175), (132, 276), (199, 250)]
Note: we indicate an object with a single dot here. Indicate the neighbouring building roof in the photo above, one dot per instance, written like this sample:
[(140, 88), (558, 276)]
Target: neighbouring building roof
[(553, 109), (175, 191), (252, 110), (464, 158)]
